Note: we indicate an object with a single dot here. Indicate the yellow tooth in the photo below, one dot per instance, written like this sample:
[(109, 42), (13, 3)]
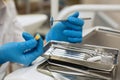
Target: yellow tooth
[(37, 37)]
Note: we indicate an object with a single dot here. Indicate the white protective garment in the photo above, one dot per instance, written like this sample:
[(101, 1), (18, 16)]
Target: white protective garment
[(10, 30)]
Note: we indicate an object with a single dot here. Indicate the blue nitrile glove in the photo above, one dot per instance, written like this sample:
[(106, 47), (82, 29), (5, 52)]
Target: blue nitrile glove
[(69, 30), (22, 52)]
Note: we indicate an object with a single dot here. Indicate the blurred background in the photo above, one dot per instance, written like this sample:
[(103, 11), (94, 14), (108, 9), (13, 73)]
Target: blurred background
[(34, 15)]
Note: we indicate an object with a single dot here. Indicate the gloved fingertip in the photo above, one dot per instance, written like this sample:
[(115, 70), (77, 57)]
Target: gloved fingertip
[(75, 40), (75, 14), (25, 33), (40, 43), (27, 36), (27, 64), (82, 22)]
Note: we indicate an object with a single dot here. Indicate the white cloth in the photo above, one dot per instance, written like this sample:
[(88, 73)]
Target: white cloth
[(29, 73), (10, 29)]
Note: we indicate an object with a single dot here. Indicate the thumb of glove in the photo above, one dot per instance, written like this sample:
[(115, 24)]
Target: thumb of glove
[(27, 36)]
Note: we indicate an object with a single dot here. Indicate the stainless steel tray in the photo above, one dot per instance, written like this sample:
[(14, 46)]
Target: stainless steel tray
[(68, 55), (101, 36), (60, 72)]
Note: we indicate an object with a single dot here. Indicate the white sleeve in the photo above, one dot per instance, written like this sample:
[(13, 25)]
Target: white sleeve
[(17, 27), (18, 30)]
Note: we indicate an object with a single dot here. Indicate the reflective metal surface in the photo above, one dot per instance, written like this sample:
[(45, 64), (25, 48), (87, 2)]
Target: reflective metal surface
[(103, 37), (63, 73), (72, 60)]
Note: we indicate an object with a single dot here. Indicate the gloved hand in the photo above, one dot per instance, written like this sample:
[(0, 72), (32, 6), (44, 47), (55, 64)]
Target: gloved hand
[(22, 52), (69, 30)]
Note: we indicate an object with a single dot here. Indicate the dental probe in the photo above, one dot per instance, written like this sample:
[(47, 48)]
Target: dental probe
[(52, 20)]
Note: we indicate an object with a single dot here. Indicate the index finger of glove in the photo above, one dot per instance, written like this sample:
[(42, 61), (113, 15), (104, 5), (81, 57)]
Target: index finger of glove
[(72, 26), (75, 14), (76, 21)]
